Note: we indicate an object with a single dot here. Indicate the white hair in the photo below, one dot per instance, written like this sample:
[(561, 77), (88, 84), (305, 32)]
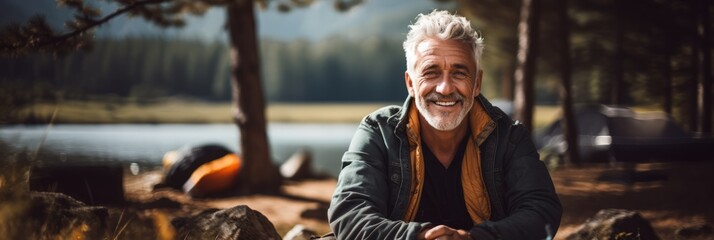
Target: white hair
[(445, 26)]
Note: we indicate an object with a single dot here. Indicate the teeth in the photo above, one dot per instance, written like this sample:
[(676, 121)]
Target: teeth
[(445, 103)]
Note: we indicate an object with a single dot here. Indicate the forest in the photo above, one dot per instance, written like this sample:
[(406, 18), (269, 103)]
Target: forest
[(631, 53), (334, 70), (645, 54)]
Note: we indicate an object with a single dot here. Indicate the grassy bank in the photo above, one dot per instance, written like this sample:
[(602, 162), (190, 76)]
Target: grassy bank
[(196, 111), (188, 111)]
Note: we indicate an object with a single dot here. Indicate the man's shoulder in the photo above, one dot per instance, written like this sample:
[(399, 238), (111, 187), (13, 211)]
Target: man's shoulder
[(386, 114)]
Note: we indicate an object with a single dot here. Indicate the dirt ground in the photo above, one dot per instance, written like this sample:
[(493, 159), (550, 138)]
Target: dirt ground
[(669, 195), (304, 202)]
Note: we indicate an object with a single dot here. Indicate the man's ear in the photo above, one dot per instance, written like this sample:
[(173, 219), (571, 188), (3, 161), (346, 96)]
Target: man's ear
[(477, 87), (408, 82)]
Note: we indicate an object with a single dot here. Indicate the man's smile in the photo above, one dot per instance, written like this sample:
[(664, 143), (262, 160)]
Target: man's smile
[(445, 103)]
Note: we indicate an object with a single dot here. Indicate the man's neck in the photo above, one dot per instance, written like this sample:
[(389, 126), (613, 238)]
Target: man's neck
[(443, 144)]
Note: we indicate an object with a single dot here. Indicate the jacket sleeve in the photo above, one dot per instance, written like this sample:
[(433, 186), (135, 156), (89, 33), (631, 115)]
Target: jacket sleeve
[(531, 203), (358, 208)]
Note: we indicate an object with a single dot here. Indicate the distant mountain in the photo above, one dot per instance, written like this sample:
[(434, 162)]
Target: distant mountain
[(384, 18)]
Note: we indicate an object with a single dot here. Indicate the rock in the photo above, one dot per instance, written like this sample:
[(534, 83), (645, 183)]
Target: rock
[(697, 230), (298, 166), (300, 232), (615, 224), (91, 184), (239, 222), (50, 215)]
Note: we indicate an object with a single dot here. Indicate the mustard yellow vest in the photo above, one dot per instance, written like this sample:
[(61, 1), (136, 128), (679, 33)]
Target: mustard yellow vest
[(475, 195)]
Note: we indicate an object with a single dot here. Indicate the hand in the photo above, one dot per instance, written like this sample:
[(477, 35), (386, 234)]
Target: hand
[(443, 232)]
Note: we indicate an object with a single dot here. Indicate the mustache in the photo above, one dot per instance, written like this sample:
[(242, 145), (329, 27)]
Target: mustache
[(434, 96)]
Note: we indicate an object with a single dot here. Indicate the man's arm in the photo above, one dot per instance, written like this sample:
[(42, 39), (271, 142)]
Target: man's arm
[(359, 205), (530, 198)]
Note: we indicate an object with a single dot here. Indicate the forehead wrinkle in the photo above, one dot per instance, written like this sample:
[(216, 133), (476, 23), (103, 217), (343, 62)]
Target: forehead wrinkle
[(429, 62), (429, 56)]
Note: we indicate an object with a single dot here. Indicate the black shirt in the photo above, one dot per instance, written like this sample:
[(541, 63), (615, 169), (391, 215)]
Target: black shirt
[(442, 201)]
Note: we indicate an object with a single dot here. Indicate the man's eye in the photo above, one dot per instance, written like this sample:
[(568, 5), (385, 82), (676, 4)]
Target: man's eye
[(430, 74), (460, 75)]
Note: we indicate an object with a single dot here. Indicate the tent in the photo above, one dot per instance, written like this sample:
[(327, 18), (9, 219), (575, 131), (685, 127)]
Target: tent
[(608, 133)]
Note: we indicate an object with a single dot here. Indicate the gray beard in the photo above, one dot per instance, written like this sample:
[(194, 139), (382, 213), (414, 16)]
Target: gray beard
[(443, 124)]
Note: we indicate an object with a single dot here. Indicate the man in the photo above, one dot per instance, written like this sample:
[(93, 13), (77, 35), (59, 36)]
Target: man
[(447, 164)]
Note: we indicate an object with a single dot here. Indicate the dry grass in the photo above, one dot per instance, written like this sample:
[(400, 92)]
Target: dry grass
[(192, 111), (13, 191), (97, 111), (21, 219), (321, 112)]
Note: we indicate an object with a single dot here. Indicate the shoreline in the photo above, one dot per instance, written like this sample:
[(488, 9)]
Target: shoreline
[(194, 111)]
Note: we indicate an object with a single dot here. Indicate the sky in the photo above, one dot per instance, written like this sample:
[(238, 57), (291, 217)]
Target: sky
[(386, 18)]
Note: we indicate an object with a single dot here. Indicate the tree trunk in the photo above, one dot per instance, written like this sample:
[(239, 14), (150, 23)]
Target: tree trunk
[(692, 86), (667, 85), (258, 174), (507, 83), (566, 99), (616, 90), (705, 84), (667, 65), (527, 53)]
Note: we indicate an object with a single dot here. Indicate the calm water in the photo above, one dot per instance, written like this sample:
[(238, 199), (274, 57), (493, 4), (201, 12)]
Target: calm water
[(146, 144)]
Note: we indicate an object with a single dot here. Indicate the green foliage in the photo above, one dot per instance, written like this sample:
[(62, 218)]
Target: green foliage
[(335, 69), (131, 67), (654, 41), (38, 37), (122, 67)]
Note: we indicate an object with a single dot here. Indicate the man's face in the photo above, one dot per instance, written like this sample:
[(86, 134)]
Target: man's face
[(445, 83)]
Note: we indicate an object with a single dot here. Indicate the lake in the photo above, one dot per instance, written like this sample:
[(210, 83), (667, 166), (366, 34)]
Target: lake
[(145, 144)]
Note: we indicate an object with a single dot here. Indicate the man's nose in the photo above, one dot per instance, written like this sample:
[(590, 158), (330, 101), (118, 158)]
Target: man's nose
[(446, 85)]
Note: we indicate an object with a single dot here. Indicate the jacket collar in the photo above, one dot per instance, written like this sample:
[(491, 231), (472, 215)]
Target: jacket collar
[(402, 116)]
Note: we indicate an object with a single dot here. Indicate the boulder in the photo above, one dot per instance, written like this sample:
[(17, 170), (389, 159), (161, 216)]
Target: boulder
[(239, 222), (615, 224), (300, 232), (48, 215), (91, 184)]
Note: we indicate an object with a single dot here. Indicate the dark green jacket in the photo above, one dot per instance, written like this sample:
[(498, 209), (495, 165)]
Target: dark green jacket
[(374, 184)]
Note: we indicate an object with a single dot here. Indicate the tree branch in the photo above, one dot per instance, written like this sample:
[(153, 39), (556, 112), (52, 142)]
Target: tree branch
[(101, 21), (90, 23)]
